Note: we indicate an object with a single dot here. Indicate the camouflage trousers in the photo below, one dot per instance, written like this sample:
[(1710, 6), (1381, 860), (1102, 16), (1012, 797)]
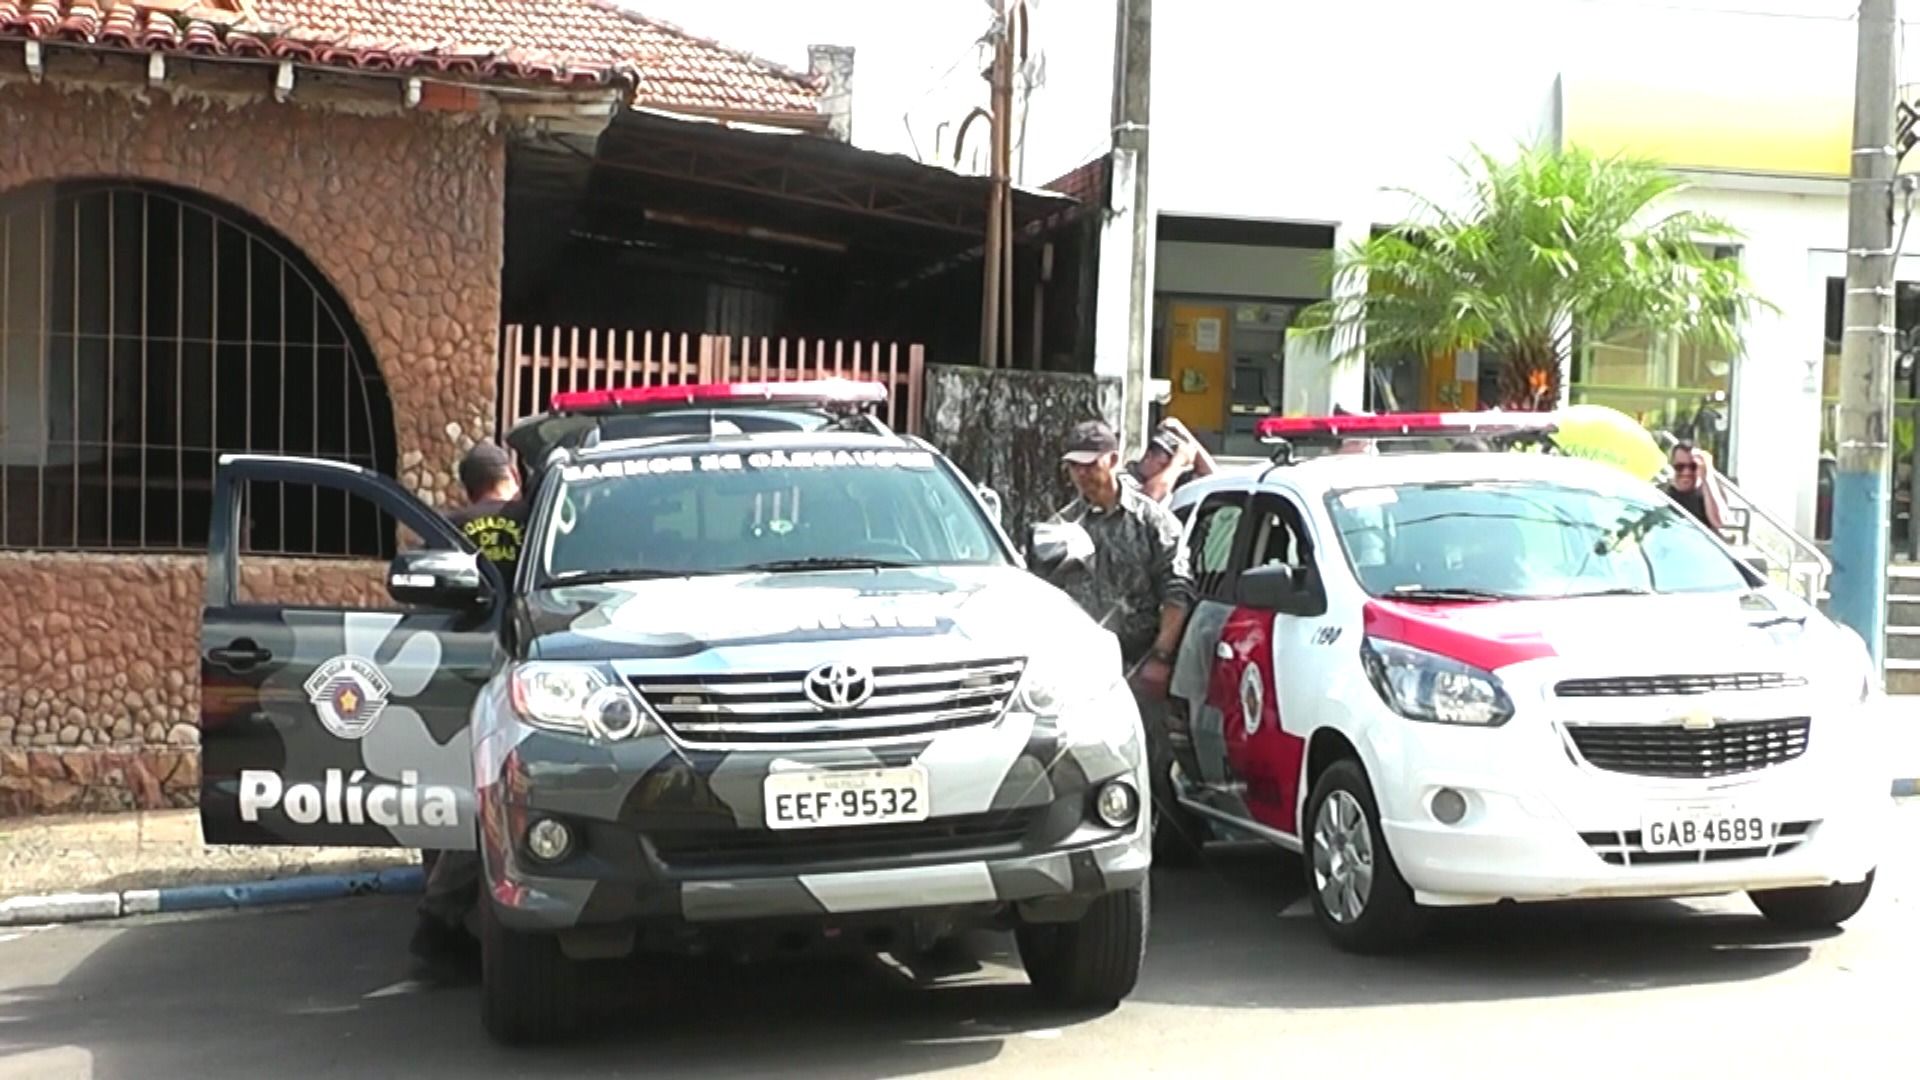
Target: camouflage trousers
[(453, 889)]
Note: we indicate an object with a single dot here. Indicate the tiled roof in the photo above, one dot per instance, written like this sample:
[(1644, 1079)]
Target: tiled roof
[(569, 42)]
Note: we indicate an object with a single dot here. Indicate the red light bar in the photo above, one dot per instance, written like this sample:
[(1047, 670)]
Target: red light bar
[(1409, 425), (817, 392)]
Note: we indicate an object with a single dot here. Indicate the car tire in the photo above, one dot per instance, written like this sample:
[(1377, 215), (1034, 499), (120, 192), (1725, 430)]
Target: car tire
[(1818, 908), (1347, 863), (1094, 962), (528, 986)]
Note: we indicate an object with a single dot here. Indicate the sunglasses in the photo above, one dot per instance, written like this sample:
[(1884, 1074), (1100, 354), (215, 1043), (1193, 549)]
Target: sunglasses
[(1687, 468)]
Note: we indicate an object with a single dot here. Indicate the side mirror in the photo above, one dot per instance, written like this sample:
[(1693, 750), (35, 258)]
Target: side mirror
[(1053, 544), (438, 579), (1283, 590), (993, 503)]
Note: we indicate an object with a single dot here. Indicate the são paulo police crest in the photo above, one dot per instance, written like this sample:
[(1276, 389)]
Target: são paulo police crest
[(348, 693)]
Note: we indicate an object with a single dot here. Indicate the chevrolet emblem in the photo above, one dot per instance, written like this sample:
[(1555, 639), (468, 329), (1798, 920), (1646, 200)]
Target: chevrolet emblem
[(1698, 721)]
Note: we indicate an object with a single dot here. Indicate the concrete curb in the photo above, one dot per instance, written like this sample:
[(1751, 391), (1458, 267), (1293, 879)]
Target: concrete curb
[(82, 907)]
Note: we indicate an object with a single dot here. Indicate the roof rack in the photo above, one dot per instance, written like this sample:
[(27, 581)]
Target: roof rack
[(1495, 429)]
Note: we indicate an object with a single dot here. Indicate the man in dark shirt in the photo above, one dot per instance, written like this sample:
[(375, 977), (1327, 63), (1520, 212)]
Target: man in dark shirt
[(1138, 585), (494, 519), (1694, 485)]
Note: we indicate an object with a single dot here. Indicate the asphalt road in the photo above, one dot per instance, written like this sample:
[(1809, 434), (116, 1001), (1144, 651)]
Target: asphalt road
[(1238, 980)]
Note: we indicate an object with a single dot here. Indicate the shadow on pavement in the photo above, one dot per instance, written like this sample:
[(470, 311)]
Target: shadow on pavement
[(329, 989), (1224, 942)]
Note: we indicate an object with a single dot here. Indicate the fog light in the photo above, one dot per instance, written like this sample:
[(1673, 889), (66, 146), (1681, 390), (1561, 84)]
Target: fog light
[(1118, 803), (1449, 806), (549, 840)]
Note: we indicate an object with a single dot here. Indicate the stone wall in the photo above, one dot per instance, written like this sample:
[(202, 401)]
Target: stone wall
[(402, 213), (1004, 429), (99, 678)]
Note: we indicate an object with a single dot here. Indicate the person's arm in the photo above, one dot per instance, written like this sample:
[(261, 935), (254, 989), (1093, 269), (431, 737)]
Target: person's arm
[(1173, 587), (1710, 491), (1197, 454)]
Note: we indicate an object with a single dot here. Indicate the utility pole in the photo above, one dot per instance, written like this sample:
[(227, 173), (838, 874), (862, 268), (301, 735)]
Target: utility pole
[(996, 265), (1860, 493), (1010, 19), (1133, 56)]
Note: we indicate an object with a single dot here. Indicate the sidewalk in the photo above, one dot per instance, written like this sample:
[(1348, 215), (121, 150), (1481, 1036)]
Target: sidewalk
[(160, 849)]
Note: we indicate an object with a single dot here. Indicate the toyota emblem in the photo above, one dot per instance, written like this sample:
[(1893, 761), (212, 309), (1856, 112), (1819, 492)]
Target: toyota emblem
[(838, 687)]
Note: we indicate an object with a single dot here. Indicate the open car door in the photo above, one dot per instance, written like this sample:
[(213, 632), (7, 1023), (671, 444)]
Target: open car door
[(338, 674)]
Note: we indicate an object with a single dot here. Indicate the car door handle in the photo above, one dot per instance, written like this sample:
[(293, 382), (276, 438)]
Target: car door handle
[(240, 655)]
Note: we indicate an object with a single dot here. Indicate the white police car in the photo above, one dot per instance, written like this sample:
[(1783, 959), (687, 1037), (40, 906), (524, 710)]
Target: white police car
[(1465, 678)]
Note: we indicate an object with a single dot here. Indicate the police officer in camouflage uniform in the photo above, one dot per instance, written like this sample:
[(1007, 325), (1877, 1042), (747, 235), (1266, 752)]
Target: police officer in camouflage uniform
[(494, 519), (1138, 585)]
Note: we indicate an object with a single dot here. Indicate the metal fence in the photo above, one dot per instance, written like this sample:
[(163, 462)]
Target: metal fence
[(542, 361), (144, 331)]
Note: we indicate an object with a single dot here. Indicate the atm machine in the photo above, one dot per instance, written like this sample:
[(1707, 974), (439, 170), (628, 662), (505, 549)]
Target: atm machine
[(1256, 389)]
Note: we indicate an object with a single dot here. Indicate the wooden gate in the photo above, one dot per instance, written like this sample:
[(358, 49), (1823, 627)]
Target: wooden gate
[(538, 362)]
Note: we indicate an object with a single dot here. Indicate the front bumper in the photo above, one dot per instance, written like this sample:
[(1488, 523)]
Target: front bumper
[(666, 834), (1542, 823)]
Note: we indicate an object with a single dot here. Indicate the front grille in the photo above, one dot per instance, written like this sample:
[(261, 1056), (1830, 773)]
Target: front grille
[(1675, 685), (745, 708), (1672, 751), (1624, 848), (979, 834)]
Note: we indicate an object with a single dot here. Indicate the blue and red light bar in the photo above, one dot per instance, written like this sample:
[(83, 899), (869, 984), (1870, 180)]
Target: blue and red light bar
[(816, 393), (1401, 425)]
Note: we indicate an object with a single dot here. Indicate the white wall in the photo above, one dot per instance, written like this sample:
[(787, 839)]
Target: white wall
[(1305, 111)]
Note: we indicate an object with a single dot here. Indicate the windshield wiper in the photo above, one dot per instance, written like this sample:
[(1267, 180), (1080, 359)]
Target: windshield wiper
[(1623, 590), (610, 576), (822, 562), (1421, 592)]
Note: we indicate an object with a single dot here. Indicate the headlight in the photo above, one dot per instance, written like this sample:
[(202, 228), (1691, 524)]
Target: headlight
[(1058, 680), (576, 698), (1420, 685)]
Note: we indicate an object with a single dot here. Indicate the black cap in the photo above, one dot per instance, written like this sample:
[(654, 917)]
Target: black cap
[(484, 466), (1089, 441)]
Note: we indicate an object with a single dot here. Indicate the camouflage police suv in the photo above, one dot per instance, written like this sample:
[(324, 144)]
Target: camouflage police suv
[(769, 676)]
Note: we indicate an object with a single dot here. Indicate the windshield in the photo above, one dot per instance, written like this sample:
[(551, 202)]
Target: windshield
[(1498, 540), (667, 514)]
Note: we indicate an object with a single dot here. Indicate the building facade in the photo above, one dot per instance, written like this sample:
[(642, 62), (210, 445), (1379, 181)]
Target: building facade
[(223, 232), (1281, 131)]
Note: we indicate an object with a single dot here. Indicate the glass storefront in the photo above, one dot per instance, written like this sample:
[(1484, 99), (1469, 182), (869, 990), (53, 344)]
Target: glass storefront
[(1683, 389), (1906, 403)]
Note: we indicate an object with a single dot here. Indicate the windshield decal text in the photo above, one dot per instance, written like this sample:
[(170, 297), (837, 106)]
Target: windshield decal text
[(758, 460)]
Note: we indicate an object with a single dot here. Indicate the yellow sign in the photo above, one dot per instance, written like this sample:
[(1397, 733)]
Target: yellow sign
[(1747, 126)]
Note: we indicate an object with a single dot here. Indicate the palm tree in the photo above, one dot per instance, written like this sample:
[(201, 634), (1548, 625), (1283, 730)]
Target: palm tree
[(1553, 247)]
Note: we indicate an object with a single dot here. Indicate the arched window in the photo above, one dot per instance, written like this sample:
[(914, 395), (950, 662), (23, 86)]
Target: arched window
[(144, 331)]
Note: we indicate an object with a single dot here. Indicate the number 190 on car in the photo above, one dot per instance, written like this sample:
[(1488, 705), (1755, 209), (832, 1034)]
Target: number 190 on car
[(824, 798)]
